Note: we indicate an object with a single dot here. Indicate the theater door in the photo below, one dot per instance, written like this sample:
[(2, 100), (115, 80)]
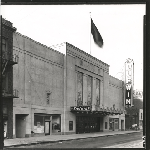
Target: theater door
[(87, 124)]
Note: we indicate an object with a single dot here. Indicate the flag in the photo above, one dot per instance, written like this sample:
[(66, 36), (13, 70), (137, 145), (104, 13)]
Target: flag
[(96, 35)]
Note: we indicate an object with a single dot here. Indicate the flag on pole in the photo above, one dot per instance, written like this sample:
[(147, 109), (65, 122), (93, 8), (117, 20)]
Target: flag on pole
[(96, 35)]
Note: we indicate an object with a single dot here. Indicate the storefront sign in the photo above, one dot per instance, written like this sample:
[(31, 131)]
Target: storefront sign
[(128, 94), (80, 108), (129, 82)]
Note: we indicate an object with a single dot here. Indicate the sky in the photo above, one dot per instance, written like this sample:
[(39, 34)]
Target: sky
[(121, 27)]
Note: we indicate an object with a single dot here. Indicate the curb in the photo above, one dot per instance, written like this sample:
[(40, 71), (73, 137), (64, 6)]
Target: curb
[(44, 142)]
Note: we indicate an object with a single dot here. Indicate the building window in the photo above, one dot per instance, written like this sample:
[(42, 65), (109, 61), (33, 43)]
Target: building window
[(38, 124), (97, 92), (79, 89), (89, 90), (105, 125)]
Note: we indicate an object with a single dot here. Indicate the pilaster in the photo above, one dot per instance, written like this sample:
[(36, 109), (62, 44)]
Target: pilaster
[(93, 93), (32, 119), (84, 89), (101, 93), (76, 88), (27, 80), (14, 125)]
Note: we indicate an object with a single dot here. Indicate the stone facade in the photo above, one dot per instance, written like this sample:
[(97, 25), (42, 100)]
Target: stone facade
[(111, 89)]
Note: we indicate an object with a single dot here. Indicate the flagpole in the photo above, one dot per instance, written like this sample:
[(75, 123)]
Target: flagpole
[(90, 33)]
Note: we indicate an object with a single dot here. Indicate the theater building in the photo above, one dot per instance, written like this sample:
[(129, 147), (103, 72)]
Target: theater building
[(94, 99), (63, 93)]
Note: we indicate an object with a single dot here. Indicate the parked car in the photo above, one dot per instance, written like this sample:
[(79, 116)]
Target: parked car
[(135, 127)]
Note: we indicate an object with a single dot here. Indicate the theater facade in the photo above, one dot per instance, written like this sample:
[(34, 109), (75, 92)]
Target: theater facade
[(94, 99), (63, 93)]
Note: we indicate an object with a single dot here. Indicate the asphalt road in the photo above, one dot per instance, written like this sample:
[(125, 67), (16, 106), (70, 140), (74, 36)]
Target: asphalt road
[(91, 142)]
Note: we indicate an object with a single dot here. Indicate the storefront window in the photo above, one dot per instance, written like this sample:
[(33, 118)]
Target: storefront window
[(38, 124), (56, 124)]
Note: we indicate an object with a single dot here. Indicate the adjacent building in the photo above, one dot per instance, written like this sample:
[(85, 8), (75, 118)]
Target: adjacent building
[(94, 99), (63, 93), (8, 92), (134, 115)]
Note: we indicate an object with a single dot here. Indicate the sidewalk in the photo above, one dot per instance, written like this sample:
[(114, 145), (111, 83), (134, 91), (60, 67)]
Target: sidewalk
[(58, 138)]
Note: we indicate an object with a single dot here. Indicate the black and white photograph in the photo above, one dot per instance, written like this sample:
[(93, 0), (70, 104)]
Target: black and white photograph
[(72, 75)]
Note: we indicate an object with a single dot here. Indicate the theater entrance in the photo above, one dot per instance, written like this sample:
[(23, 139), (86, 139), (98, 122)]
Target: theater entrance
[(87, 124)]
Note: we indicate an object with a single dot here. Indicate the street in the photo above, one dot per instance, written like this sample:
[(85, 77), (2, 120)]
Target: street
[(98, 142)]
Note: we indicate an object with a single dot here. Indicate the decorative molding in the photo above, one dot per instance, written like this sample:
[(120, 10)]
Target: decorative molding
[(98, 64), (38, 57), (38, 43), (116, 86), (77, 68)]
